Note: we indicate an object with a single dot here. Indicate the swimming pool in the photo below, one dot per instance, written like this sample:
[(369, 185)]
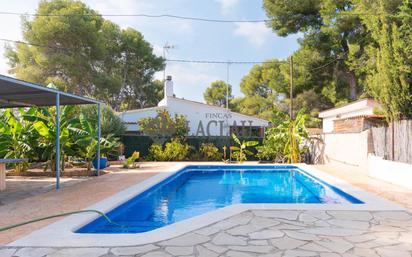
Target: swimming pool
[(196, 190)]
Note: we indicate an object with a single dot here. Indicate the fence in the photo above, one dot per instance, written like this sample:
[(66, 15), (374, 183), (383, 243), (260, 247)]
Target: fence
[(399, 148), (143, 143)]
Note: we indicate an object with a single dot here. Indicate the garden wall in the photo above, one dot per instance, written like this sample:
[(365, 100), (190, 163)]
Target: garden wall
[(347, 148), (397, 173), (142, 143), (399, 148)]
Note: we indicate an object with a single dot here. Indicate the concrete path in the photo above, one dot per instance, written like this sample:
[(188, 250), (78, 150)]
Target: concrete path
[(271, 234), (19, 188), (359, 178), (77, 196)]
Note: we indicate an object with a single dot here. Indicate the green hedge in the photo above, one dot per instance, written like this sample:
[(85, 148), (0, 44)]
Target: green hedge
[(142, 143)]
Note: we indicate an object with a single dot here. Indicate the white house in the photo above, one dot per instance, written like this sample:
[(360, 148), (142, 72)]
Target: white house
[(354, 109), (203, 119)]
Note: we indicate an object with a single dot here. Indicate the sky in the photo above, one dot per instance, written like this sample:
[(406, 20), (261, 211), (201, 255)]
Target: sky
[(192, 40)]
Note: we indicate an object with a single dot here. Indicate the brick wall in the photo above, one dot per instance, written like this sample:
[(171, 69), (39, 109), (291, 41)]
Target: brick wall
[(349, 125)]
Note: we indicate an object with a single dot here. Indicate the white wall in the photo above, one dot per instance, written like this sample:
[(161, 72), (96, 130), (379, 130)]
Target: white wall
[(347, 148), (327, 125), (203, 119), (327, 122), (210, 120), (366, 111), (393, 172), (135, 115)]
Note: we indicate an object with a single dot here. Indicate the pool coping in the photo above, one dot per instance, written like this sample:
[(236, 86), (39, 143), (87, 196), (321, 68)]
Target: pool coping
[(61, 233)]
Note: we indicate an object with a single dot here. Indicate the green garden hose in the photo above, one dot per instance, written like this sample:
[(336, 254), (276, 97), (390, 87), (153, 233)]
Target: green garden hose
[(58, 215)]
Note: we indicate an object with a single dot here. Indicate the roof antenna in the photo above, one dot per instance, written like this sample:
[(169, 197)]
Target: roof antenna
[(166, 49)]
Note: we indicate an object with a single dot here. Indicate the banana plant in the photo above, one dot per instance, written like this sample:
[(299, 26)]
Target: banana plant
[(296, 133), (285, 140), (43, 121), (240, 152), (87, 142), (15, 137)]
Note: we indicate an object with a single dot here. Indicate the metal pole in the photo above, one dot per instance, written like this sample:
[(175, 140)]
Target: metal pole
[(291, 87), (227, 85), (164, 69), (57, 141), (393, 140), (98, 139)]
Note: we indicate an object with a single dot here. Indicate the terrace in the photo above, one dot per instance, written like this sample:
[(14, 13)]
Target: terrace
[(306, 210), (282, 232)]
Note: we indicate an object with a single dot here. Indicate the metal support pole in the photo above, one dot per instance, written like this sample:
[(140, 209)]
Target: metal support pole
[(393, 141), (227, 85), (57, 141), (291, 87), (98, 139)]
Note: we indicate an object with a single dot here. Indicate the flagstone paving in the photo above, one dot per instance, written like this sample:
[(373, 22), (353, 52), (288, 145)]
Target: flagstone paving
[(270, 234)]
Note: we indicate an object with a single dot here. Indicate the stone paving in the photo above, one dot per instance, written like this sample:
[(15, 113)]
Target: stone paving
[(19, 188), (268, 233)]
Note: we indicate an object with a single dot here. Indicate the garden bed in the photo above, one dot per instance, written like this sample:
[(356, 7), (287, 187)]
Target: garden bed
[(72, 172)]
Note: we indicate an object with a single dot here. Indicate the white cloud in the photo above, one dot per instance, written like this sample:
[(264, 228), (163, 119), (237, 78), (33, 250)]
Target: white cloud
[(227, 4), (157, 49), (256, 33), (190, 80), (115, 7)]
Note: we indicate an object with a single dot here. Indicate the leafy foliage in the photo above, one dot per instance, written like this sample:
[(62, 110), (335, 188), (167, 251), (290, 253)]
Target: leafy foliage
[(31, 133), (346, 52), (240, 152), (110, 122), (43, 120), (350, 49), (15, 137), (215, 94), (131, 161), (210, 152), (86, 55), (390, 57), (87, 142), (285, 140), (173, 151), (163, 126)]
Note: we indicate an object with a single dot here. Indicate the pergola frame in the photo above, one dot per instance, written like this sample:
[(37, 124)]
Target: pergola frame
[(18, 93)]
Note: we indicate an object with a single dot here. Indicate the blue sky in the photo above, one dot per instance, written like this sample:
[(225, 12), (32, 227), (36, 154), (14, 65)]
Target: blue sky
[(193, 40)]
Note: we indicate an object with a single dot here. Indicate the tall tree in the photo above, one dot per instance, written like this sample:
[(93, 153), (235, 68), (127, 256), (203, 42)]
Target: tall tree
[(264, 88), (390, 55), (329, 31), (73, 47), (216, 93)]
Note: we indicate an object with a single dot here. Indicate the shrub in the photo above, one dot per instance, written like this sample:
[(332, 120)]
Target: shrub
[(209, 152), (164, 126), (110, 122), (240, 152), (131, 161), (156, 152), (173, 151), (285, 140)]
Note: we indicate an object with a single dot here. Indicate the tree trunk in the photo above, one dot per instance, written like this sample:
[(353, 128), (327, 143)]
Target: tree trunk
[(352, 85), (350, 78)]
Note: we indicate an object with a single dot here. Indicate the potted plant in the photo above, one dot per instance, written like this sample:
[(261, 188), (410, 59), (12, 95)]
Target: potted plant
[(103, 163)]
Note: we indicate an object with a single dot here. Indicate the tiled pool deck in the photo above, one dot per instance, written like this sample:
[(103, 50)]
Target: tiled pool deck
[(270, 234), (251, 233)]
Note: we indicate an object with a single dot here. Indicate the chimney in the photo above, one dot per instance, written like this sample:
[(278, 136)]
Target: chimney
[(168, 88)]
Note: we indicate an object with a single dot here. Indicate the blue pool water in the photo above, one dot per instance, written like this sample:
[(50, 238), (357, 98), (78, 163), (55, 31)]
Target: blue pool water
[(197, 190)]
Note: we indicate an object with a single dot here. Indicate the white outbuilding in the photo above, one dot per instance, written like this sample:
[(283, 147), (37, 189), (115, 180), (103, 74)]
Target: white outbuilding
[(363, 107), (203, 119)]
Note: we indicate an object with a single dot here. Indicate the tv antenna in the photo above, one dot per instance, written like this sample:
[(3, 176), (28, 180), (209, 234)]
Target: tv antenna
[(166, 49)]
